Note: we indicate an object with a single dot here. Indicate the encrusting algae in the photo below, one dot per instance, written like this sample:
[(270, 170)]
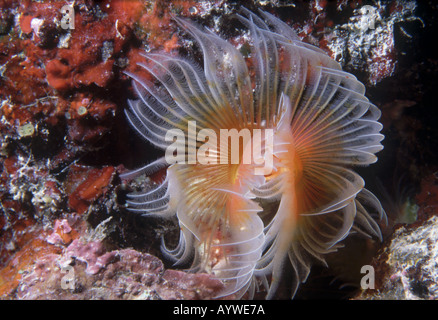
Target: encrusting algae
[(318, 125)]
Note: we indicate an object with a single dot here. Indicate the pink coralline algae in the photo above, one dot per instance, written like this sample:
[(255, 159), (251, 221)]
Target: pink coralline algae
[(92, 253), (62, 233), (119, 274)]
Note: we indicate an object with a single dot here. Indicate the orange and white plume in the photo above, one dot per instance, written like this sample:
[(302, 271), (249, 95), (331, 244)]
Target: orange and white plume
[(322, 126)]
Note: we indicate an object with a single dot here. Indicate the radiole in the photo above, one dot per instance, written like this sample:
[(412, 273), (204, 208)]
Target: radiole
[(322, 126)]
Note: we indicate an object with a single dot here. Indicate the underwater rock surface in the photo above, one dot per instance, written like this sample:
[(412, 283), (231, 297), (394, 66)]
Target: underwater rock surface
[(64, 139), (407, 266), (86, 271)]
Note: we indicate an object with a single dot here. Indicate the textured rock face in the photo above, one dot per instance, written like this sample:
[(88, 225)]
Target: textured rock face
[(408, 267), (86, 271), (366, 42)]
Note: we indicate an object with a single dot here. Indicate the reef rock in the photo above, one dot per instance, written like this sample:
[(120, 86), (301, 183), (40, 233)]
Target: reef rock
[(86, 270), (407, 268)]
